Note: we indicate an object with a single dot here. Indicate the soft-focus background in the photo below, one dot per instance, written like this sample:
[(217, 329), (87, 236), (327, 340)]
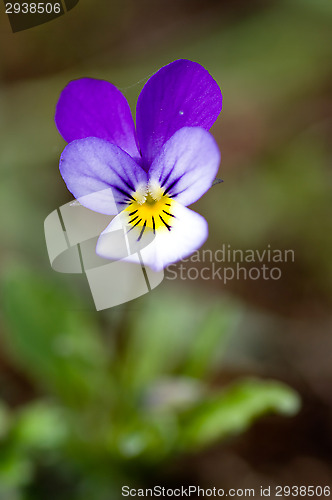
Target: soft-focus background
[(197, 382)]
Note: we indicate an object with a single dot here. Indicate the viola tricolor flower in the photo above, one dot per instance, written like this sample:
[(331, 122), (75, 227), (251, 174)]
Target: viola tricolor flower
[(146, 178)]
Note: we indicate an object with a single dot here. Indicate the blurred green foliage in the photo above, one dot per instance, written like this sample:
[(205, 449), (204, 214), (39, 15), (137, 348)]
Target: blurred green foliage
[(105, 408)]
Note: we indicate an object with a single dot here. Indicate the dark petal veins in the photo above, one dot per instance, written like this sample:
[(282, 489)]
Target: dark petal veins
[(142, 231), (189, 231), (167, 213), (100, 174), (165, 223), (187, 165), (132, 227)]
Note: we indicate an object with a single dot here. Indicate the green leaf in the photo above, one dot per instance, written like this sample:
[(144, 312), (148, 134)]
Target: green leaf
[(5, 420), (40, 426), (15, 471), (234, 410), (211, 338), (148, 437), (160, 336), (57, 344)]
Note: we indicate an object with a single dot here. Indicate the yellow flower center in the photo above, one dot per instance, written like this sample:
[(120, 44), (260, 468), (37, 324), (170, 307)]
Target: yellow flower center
[(151, 209)]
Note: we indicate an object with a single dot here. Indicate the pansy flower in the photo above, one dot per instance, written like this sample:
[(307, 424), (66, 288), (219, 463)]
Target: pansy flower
[(147, 177)]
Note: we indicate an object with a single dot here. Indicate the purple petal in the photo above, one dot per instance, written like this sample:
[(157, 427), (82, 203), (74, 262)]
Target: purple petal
[(100, 174), (189, 231), (181, 94), (96, 108), (187, 165)]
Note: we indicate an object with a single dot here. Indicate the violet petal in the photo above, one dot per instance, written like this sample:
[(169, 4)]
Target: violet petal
[(100, 175), (96, 108), (180, 94), (187, 165)]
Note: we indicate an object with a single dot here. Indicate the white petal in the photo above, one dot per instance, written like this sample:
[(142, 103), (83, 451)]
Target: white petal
[(189, 231)]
